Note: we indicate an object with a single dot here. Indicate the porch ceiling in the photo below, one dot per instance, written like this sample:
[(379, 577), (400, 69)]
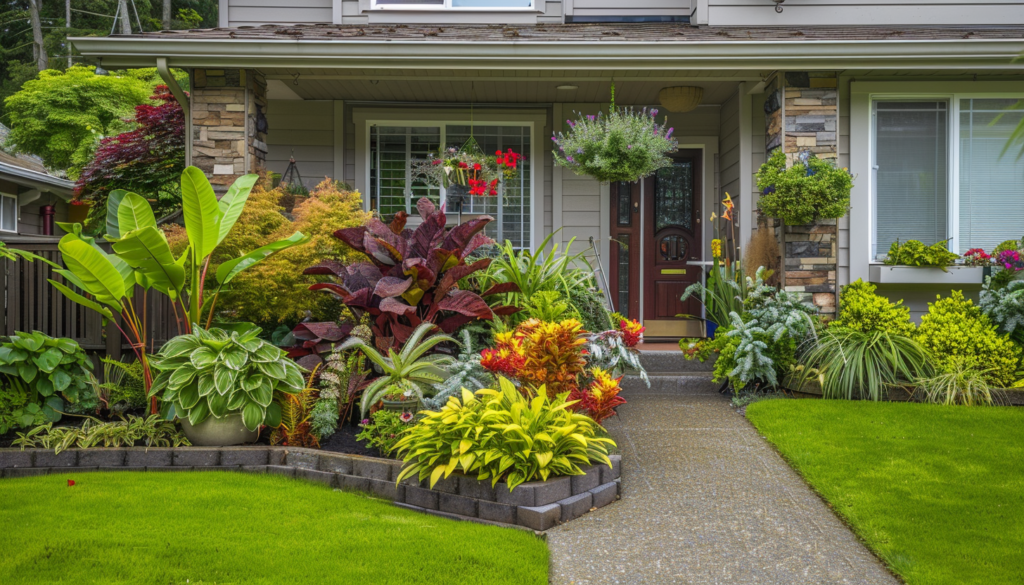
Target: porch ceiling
[(501, 86)]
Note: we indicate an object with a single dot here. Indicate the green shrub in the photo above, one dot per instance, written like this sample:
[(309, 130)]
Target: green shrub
[(502, 434), (588, 302), (861, 309), (915, 253), (383, 429), (38, 374), (124, 383), (956, 331), (804, 192), (1008, 245), (216, 372)]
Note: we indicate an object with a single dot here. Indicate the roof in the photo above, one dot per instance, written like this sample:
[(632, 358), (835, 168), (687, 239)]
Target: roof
[(665, 46), (28, 171)]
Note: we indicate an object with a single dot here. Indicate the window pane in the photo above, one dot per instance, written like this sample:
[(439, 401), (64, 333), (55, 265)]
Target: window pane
[(419, 2), (991, 185), (511, 208), (624, 205), (491, 3), (393, 150), (8, 214), (673, 196), (911, 152), (623, 275)]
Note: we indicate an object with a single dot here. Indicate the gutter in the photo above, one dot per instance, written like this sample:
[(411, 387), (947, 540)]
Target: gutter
[(40, 181), (182, 99), (544, 55)]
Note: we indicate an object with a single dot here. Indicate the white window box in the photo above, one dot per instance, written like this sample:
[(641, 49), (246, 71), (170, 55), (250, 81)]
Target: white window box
[(882, 274)]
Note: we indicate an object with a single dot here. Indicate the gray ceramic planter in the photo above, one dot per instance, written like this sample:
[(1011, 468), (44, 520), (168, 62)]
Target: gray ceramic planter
[(219, 432)]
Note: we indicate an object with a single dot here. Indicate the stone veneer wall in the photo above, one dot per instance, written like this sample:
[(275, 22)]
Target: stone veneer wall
[(229, 124), (802, 114), (537, 505)]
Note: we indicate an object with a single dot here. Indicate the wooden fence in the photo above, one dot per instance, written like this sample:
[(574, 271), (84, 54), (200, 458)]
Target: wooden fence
[(30, 303)]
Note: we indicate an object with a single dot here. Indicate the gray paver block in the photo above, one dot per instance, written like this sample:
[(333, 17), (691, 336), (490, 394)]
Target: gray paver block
[(552, 490), (276, 456), (253, 468), (324, 477), (371, 468), (353, 483), (539, 518), (454, 504), (216, 468), (12, 458), (583, 483), (421, 497), (168, 468), (196, 457), (522, 495), (244, 456), (448, 485), (576, 506), (611, 474), (604, 494), (101, 458), (281, 470), (303, 459), (151, 457), (496, 512), (336, 463), (477, 489), (47, 458), (388, 490)]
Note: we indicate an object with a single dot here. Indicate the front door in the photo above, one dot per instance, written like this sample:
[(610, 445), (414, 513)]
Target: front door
[(624, 265), (672, 247)]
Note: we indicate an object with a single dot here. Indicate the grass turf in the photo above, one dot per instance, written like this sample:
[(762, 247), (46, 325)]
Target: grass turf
[(222, 527), (936, 491)]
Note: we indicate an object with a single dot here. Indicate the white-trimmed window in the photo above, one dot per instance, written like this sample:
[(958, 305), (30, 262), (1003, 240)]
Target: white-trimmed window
[(453, 4), (8, 213), (394, 149), (939, 171)]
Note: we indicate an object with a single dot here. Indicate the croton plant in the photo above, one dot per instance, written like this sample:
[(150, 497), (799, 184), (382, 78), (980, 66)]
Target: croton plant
[(411, 276)]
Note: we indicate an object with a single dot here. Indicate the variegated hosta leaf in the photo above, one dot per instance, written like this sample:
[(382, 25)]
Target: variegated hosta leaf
[(251, 381), (205, 384), (262, 395), (182, 376), (179, 346), (275, 370), (218, 404), (252, 415), (234, 357), (224, 379), (267, 353), (203, 357)]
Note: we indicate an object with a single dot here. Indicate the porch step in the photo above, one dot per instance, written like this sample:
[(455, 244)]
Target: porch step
[(684, 382), (671, 362)]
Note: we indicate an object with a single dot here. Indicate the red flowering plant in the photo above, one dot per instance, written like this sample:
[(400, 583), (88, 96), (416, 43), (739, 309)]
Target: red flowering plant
[(469, 167), (977, 257), (600, 398), (632, 332)]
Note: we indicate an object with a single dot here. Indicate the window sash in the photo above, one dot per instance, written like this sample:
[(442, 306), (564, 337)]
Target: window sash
[(8, 213)]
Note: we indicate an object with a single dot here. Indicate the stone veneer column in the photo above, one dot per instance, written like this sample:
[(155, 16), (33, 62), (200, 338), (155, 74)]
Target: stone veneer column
[(802, 115), (229, 124)]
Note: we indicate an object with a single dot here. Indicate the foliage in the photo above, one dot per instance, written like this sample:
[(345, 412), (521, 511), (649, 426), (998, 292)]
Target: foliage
[(273, 291), (469, 167), (956, 331), (552, 354), (702, 349), (340, 377), (771, 306), (914, 253), (216, 372), (412, 276), (754, 353), (124, 383), (763, 252), (60, 116), (546, 305), (409, 371), (624, 145), (1005, 307), (863, 365), (726, 288), (809, 190), (916, 482), (600, 398), (608, 351), (963, 383), (1008, 245), (146, 159), (465, 371), (296, 428), (383, 429), (36, 371), (861, 309), (502, 434), (150, 431), (589, 304), (14, 254)]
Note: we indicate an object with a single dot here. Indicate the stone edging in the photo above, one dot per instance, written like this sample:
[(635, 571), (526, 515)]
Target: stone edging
[(537, 505)]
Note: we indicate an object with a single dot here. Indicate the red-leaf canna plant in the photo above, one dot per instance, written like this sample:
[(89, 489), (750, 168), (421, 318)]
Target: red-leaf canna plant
[(412, 276)]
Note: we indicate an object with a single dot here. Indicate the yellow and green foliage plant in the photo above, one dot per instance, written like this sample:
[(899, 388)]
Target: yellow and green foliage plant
[(502, 435), (862, 309)]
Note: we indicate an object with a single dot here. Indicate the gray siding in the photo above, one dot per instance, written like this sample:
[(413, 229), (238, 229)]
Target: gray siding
[(257, 12), (729, 155), (303, 129), (638, 8), (843, 235), (865, 12)]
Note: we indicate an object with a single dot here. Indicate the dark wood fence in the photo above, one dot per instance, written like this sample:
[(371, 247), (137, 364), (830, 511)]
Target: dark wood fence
[(30, 303)]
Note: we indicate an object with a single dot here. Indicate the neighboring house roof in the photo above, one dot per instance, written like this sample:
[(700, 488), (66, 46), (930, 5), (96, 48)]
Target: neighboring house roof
[(28, 171), (554, 46)]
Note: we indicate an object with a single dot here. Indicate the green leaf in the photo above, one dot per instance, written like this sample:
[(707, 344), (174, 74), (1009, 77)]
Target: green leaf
[(113, 205), (203, 357), (224, 379), (218, 404), (275, 370), (293, 377), (252, 415), (147, 250), (199, 413), (182, 376), (252, 382), (201, 211), (48, 360), (52, 408), (236, 400), (206, 385), (97, 272), (273, 416), (61, 380), (134, 213), (44, 387), (188, 396), (179, 346), (262, 395), (77, 298), (27, 371), (232, 203), (234, 357), (228, 270)]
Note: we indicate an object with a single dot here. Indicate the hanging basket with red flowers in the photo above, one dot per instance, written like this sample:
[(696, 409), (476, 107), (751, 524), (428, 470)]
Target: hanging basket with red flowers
[(469, 167)]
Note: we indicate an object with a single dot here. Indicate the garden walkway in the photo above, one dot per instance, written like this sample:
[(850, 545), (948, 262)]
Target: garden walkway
[(705, 500)]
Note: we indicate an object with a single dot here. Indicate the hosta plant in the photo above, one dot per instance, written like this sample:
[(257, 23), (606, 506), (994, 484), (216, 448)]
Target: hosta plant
[(38, 373), (216, 372), (502, 435), (408, 371)]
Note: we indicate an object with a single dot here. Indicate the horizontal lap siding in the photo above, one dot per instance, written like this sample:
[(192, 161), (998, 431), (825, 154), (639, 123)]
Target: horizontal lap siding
[(258, 12), (865, 12), (303, 129), (637, 8)]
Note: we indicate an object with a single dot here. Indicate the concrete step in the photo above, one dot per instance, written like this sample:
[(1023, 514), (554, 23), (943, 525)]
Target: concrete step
[(682, 383), (671, 362)]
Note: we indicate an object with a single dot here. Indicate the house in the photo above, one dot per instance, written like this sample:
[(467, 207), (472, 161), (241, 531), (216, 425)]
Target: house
[(910, 95), (31, 198)]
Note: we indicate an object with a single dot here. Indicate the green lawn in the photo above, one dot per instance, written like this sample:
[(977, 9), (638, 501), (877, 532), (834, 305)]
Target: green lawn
[(223, 527), (936, 491)]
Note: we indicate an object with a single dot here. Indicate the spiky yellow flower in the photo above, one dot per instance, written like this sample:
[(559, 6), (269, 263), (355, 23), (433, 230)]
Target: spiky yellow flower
[(716, 248)]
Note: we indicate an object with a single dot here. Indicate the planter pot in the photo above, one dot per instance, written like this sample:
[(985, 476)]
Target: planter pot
[(410, 406), (219, 432), (954, 275), (710, 327), (78, 213)]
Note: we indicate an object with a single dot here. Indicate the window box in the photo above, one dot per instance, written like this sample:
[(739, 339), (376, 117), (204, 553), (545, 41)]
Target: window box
[(956, 275)]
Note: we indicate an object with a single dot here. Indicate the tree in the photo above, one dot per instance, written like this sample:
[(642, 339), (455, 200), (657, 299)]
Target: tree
[(60, 116), (148, 159), (38, 47)]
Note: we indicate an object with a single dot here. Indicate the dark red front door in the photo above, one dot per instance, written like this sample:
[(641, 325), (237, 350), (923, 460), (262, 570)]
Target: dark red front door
[(624, 264)]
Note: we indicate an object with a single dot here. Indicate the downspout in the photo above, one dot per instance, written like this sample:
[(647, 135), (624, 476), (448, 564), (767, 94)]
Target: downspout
[(182, 99)]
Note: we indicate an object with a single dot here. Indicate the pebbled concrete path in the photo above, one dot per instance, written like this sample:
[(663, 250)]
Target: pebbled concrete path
[(705, 500)]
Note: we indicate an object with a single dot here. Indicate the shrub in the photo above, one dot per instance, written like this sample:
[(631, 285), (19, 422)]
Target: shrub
[(589, 306), (464, 372), (38, 373), (962, 384), (863, 365), (215, 372), (600, 398), (810, 189), (955, 331), (1005, 307), (1008, 245), (754, 353), (861, 309), (124, 383), (914, 253), (502, 435), (383, 429), (553, 354), (151, 431)]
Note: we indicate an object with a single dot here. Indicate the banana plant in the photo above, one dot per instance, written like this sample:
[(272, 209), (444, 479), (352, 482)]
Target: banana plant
[(142, 257), (409, 369)]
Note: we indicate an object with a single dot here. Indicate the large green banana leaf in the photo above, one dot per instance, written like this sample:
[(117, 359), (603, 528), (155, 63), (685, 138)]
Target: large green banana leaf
[(96, 273), (202, 213), (147, 251), (231, 268), (113, 205), (232, 203), (134, 213)]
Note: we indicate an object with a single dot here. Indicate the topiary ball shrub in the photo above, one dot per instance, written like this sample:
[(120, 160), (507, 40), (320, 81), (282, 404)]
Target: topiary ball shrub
[(804, 192), (955, 330), (861, 309)]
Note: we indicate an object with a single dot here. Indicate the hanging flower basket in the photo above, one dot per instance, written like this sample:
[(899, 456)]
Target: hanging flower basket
[(469, 167), (624, 145)]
